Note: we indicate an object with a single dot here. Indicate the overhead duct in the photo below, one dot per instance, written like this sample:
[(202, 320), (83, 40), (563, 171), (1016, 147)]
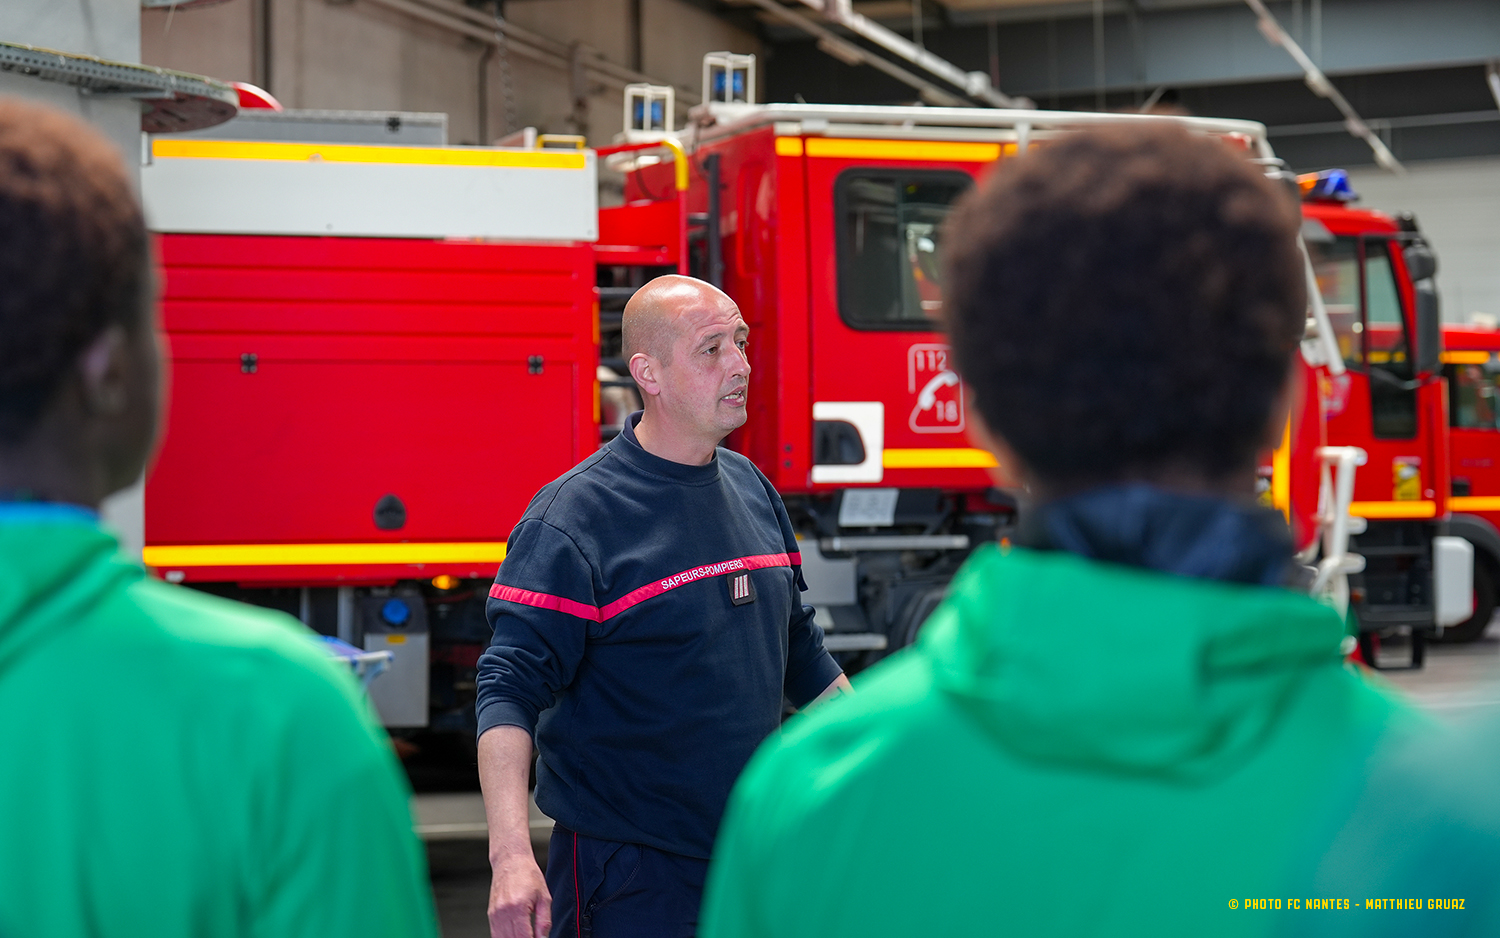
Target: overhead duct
[(1322, 87), (830, 43), (974, 84)]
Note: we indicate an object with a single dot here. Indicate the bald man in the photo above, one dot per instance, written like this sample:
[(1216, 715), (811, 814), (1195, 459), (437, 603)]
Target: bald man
[(647, 622)]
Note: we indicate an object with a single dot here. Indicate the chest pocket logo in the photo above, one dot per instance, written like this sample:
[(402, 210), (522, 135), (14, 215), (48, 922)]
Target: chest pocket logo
[(741, 588)]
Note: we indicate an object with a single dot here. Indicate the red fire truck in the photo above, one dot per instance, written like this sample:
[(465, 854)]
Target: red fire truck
[(1374, 275), (378, 354), (381, 352), (1471, 364)]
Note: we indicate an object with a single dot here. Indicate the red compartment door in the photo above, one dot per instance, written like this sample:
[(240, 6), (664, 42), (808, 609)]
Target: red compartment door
[(311, 380)]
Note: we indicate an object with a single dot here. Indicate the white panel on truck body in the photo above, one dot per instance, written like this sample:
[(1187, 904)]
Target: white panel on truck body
[(242, 187), (868, 418), (400, 692), (1452, 580)]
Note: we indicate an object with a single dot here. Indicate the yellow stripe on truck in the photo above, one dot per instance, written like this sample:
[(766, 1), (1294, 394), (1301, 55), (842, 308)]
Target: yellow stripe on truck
[(1461, 357), (1281, 473), (296, 555), (935, 152), (348, 153), (1474, 503), (948, 458), (1384, 510)]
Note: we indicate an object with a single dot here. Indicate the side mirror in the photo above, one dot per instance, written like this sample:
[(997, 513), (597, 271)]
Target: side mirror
[(1421, 266), (1429, 337), (1421, 263)]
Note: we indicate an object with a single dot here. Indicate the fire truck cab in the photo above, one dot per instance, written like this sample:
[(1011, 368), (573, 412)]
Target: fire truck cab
[(1374, 274), (824, 223)]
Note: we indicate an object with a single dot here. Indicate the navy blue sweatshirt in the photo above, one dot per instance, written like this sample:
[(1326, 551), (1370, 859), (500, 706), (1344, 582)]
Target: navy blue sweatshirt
[(647, 620)]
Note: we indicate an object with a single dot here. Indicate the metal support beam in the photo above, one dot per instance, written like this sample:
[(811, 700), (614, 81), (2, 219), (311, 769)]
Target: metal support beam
[(170, 101), (713, 237), (1047, 50), (895, 542), (345, 618), (1323, 88), (1387, 123)]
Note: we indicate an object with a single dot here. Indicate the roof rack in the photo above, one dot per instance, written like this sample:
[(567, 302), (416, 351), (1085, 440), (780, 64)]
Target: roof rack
[(710, 121)]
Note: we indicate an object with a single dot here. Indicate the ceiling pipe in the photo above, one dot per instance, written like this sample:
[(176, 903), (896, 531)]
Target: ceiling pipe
[(830, 43), (1323, 88), (974, 84)]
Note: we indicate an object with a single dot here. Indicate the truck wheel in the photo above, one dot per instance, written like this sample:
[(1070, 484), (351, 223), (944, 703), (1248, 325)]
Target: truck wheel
[(914, 614), (1484, 606)]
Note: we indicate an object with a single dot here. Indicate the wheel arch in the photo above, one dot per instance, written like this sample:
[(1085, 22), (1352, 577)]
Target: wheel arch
[(1479, 532)]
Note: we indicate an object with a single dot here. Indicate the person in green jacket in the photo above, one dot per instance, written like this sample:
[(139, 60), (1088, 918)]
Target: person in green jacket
[(1128, 721), (174, 764)]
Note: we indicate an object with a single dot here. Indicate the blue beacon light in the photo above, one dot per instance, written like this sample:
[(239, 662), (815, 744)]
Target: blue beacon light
[(1329, 185)]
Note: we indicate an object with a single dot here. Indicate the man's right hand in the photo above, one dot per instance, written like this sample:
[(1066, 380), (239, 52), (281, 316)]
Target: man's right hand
[(520, 905)]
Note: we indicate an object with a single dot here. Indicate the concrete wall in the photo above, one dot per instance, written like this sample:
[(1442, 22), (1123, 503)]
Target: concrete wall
[(361, 55), (674, 37), (1456, 203), (217, 41), (540, 94)]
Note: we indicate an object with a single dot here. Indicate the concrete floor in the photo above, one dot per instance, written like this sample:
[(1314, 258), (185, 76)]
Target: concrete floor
[(1458, 682)]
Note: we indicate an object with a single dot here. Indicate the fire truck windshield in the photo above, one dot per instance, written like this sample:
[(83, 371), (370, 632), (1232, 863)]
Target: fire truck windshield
[(1367, 320), (1472, 395), (890, 246), (1336, 264)]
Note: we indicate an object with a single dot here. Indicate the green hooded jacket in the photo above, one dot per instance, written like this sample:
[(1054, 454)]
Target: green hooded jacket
[(180, 765), (1072, 748)]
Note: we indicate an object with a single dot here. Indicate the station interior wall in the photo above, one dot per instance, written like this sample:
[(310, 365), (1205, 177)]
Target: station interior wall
[(1456, 203), (360, 55)]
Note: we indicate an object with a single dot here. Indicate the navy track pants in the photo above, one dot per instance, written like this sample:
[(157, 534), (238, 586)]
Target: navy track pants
[(603, 889)]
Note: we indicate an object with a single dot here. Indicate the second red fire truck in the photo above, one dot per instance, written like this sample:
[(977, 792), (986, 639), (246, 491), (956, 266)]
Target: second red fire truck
[(1471, 365)]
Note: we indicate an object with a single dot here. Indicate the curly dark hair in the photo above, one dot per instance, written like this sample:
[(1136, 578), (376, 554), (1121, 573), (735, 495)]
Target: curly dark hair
[(1124, 302), (74, 255)]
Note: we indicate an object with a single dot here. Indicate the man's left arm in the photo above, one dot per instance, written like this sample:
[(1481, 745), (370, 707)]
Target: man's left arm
[(840, 685), (811, 672)]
